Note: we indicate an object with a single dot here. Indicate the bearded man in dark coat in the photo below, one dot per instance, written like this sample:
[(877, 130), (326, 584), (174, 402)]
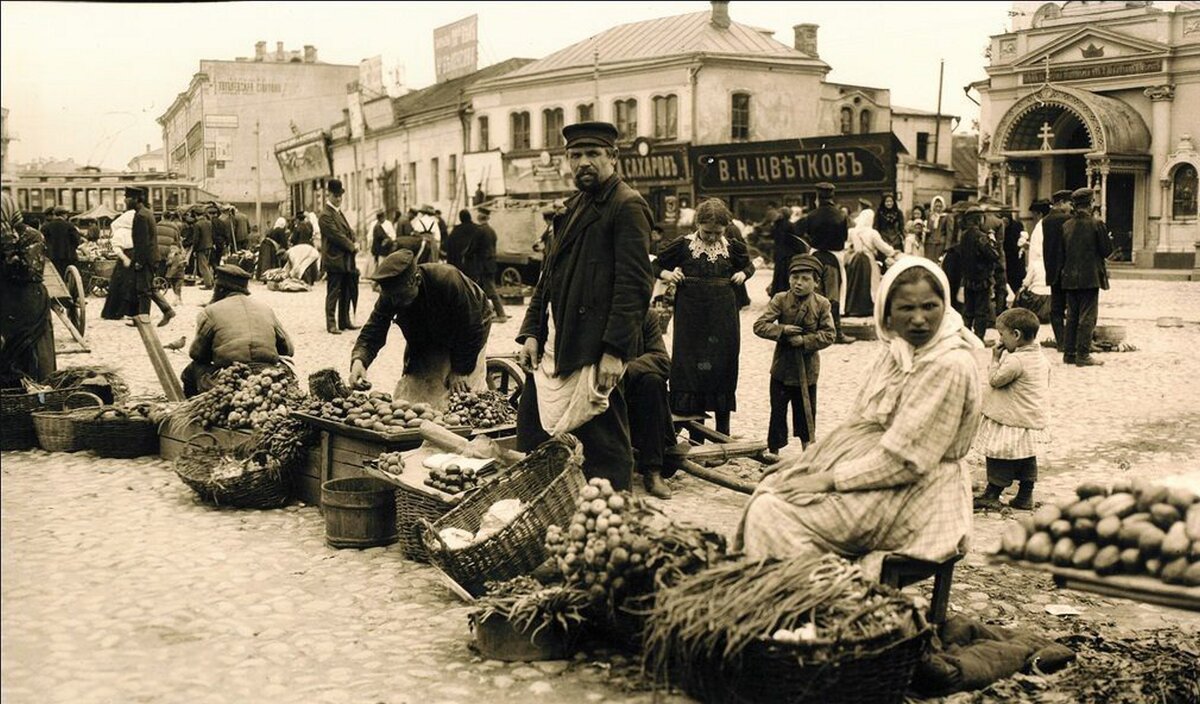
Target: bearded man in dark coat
[(584, 321), (1086, 245)]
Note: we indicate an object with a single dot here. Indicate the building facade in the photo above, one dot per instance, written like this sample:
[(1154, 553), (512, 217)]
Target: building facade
[(221, 132), (1107, 96), (149, 160)]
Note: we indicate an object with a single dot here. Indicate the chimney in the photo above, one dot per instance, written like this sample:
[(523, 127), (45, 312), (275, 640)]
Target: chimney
[(260, 51), (720, 14), (310, 54), (806, 39), (147, 148), (279, 51)]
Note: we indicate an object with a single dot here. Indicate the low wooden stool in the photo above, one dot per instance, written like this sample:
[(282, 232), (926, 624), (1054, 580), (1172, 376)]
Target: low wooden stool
[(899, 572)]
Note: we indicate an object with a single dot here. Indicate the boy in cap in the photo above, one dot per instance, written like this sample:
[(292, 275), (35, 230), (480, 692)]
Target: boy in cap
[(1085, 246), (800, 321)]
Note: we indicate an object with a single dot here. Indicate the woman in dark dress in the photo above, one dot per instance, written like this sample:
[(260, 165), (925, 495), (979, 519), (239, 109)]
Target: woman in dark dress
[(122, 298), (26, 333), (889, 221), (706, 267)]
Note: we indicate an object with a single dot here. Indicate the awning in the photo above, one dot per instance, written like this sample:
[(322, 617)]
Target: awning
[(100, 211), (1115, 128)]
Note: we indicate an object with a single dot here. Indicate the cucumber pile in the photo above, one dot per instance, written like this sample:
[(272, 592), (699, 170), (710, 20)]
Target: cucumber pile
[(1135, 528)]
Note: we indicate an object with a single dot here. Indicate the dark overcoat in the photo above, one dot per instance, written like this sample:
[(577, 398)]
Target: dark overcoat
[(596, 278), (1085, 245), (825, 228), (337, 242), (1052, 245)]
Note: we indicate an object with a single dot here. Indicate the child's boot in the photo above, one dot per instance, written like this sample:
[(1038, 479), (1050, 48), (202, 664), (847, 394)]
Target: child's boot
[(1024, 498), (990, 498)]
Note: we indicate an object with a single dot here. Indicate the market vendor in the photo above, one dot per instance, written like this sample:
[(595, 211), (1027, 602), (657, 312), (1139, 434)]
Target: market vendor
[(26, 333), (890, 478), (233, 328), (445, 318)]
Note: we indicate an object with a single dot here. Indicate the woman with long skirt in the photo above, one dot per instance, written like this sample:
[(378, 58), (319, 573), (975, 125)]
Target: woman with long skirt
[(706, 267)]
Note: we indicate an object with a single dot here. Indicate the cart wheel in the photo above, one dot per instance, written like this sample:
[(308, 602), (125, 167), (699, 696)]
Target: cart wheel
[(77, 307), (510, 277), (506, 377), (160, 284)]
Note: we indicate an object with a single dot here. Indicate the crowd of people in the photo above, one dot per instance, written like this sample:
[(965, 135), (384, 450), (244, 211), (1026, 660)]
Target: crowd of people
[(889, 478)]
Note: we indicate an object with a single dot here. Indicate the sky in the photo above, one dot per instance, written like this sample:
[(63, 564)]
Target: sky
[(87, 80)]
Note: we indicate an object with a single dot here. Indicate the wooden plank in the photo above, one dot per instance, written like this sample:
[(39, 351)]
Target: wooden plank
[(696, 429), (1136, 587), (718, 478), (410, 438), (158, 358), (727, 451)]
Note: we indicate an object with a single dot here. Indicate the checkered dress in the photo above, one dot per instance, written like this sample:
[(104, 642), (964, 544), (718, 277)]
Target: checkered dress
[(900, 486)]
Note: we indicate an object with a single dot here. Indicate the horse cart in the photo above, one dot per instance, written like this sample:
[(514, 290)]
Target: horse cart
[(68, 302)]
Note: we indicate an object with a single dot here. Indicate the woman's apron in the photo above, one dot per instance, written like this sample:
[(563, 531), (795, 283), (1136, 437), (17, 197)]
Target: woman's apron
[(707, 344)]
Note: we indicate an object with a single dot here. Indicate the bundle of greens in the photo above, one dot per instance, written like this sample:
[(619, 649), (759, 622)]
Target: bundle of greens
[(532, 607)]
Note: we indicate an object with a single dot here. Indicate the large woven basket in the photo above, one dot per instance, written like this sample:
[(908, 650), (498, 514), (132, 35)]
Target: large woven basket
[(112, 432), (16, 421), (877, 671), (414, 506), (261, 484), (56, 430), (547, 482)]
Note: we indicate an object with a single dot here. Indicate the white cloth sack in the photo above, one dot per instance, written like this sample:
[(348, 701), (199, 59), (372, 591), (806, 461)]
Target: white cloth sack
[(565, 403)]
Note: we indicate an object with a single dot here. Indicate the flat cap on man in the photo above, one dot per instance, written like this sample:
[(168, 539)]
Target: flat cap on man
[(597, 134), (134, 191), (805, 262), (398, 263), (825, 187), (1039, 206), (1061, 196), (61, 210), (232, 277), (427, 209), (1082, 194)]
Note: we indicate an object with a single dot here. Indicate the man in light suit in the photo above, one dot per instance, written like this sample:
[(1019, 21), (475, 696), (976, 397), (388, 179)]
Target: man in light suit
[(337, 259)]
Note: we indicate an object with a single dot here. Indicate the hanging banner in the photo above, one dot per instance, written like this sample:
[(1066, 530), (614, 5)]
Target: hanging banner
[(456, 48), (304, 158)]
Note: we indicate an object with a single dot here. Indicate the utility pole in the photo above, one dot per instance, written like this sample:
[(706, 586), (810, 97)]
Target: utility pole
[(258, 177), (937, 128)]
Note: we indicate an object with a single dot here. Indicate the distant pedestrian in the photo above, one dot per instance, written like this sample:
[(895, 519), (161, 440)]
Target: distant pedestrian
[(826, 229), (381, 243), (221, 234), (889, 221), (427, 227), (1052, 257), (863, 273), (800, 321), (479, 261), (1086, 244), (786, 245), (1034, 292), (1014, 410), (977, 256), (337, 259), (459, 240), (62, 240), (202, 248), (938, 230), (1014, 265)]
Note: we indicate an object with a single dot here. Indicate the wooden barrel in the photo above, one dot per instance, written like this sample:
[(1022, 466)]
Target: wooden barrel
[(360, 512)]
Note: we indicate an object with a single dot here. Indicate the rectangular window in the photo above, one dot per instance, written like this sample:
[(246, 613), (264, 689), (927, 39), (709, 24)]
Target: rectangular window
[(483, 134), (625, 114), (666, 116), (520, 130), (552, 124), (156, 198), (739, 118), (922, 146), (584, 112), (35, 200), (434, 175), (452, 177)]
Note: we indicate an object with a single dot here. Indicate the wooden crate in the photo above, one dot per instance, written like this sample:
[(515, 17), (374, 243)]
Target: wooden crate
[(306, 480)]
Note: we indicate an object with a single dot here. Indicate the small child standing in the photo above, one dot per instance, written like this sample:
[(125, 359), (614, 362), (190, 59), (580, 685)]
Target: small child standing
[(800, 320), (1014, 410)]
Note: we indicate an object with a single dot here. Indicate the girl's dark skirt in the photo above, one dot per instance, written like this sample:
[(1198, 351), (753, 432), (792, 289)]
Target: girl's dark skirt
[(707, 344)]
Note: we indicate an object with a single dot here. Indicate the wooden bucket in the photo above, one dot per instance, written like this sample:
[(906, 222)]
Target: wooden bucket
[(360, 512)]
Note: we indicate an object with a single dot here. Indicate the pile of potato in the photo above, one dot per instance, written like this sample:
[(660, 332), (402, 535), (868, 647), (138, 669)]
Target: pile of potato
[(378, 411), (1135, 528)]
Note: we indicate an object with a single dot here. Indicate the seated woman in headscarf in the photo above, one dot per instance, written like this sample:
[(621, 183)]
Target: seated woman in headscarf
[(865, 246), (302, 258), (890, 478)]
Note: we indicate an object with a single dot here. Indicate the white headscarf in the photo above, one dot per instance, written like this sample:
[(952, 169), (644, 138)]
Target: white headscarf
[(952, 329), (884, 390)]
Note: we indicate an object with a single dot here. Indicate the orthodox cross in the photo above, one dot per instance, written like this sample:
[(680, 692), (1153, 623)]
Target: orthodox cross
[(1046, 136)]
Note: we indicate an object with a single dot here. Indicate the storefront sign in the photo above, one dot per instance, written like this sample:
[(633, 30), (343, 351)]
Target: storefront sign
[(1084, 73), (535, 175), (665, 166), (304, 158), (860, 160)]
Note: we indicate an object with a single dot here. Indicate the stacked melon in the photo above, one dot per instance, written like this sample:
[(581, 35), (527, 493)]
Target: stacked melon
[(1135, 528)]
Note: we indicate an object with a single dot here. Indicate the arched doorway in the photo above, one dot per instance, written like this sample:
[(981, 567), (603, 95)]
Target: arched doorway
[(1066, 138)]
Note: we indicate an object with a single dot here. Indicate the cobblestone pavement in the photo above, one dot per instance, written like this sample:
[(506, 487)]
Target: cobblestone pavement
[(118, 587)]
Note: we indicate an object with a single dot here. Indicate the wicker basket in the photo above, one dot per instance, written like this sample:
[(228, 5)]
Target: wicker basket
[(868, 672), (16, 421), (547, 482), (112, 432), (56, 429), (413, 507), (262, 484)]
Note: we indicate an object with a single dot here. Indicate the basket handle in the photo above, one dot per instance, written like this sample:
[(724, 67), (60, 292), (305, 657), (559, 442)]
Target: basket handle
[(120, 413), (93, 400), (427, 528), (210, 436)]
